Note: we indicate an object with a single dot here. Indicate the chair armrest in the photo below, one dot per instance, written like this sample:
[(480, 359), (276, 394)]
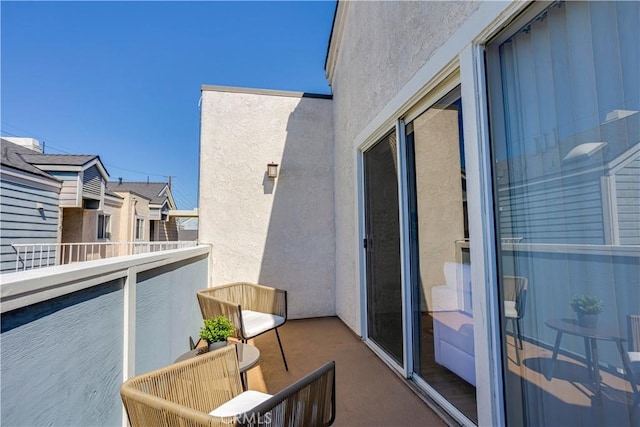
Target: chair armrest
[(210, 306), (147, 410), (186, 390), (300, 403)]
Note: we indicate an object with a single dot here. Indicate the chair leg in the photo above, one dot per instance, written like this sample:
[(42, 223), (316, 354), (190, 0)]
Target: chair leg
[(517, 321), (284, 359), (515, 326)]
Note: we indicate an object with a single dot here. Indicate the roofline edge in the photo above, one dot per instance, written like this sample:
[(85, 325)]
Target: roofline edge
[(269, 92)]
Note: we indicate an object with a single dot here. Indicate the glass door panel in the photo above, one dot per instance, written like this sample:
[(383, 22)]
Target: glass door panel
[(565, 102), (384, 291), (442, 308)]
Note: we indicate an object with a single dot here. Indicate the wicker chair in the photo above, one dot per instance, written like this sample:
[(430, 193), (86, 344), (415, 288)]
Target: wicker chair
[(254, 309), (515, 303), (206, 391)]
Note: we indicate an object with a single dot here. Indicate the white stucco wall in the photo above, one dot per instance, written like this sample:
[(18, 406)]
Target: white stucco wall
[(383, 45), (275, 232)]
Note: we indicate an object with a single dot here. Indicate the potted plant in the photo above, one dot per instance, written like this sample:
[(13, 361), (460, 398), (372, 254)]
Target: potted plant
[(587, 308), (216, 331)]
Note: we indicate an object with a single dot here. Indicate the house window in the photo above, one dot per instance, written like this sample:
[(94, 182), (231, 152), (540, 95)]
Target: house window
[(104, 226), (139, 229), (565, 99)]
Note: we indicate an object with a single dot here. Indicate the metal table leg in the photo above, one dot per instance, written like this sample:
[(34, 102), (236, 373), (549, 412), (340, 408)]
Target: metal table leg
[(556, 348)]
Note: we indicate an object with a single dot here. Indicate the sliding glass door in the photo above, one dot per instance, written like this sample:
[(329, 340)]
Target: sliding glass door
[(382, 245), (443, 341), (565, 101)]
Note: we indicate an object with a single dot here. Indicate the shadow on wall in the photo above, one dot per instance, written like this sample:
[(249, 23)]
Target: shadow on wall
[(299, 253), (268, 183)]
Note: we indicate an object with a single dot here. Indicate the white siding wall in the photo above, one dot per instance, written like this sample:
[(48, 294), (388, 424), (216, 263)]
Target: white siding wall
[(69, 193), (628, 203), (553, 212)]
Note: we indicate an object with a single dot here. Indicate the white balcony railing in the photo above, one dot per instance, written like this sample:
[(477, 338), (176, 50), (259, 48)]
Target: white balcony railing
[(38, 255)]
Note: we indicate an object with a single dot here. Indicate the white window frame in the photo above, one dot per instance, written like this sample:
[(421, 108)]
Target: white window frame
[(138, 231), (106, 226)]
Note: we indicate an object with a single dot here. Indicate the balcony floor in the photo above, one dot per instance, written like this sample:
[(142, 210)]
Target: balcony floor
[(368, 393)]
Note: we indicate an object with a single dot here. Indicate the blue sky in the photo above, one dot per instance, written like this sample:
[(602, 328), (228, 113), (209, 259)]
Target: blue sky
[(122, 79)]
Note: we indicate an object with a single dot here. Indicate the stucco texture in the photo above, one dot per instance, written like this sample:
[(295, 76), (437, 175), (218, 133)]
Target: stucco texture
[(383, 45), (278, 232)]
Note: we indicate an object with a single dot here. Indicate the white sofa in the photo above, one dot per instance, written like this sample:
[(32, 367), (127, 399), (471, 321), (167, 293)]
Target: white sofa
[(453, 322)]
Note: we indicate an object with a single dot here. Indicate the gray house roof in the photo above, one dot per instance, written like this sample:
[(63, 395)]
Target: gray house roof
[(13, 156), (59, 159), (154, 191)]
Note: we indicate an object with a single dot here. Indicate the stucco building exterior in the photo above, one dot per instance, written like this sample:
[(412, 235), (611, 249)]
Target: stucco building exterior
[(474, 169)]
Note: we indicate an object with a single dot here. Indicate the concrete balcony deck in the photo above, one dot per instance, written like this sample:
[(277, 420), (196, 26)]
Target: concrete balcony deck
[(368, 393), (71, 334)]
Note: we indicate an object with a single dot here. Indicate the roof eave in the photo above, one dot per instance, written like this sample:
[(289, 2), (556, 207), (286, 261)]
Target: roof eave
[(335, 39)]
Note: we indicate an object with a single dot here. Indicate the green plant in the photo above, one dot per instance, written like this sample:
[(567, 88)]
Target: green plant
[(216, 329), (587, 304)]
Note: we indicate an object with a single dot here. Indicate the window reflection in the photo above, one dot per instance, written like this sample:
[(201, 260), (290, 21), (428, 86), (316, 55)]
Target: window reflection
[(443, 314), (565, 139)]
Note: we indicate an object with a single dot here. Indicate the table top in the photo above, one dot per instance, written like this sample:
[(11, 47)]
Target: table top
[(248, 355), (571, 326)]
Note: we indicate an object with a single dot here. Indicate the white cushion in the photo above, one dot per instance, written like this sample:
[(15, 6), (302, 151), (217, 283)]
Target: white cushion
[(510, 309), (634, 356), (240, 404), (444, 298), (256, 322)]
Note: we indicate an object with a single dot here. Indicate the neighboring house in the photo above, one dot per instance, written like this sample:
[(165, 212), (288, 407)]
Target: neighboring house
[(83, 179), (188, 229), (148, 204), (29, 202), (467, 147), (83, 210)]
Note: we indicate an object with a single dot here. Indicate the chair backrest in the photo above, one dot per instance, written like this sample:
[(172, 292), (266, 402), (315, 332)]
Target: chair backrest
[(186, 390), (228, 300), (458, 277), (633, 328), (309, 402), (515, 289)]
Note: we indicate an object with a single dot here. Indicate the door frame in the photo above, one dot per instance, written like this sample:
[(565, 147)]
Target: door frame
[(464, 74), (362, 233)]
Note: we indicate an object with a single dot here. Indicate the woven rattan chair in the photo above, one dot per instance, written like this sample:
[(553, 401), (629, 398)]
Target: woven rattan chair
[(515, 299), (206, 391), (254, 309)]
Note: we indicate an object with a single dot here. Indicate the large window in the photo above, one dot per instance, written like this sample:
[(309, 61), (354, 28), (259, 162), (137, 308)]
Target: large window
[(565, 101)]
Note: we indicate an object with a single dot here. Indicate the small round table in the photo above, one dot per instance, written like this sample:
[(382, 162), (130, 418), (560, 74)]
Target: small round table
[(591, 336), (248, 357)]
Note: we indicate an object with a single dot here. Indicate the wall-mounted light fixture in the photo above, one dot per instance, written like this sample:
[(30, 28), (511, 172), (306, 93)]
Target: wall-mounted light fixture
[(272, 170), (39, 206)]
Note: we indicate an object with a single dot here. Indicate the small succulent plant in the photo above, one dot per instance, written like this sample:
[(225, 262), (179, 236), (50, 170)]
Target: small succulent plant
[(587, 304), (216, 329)]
